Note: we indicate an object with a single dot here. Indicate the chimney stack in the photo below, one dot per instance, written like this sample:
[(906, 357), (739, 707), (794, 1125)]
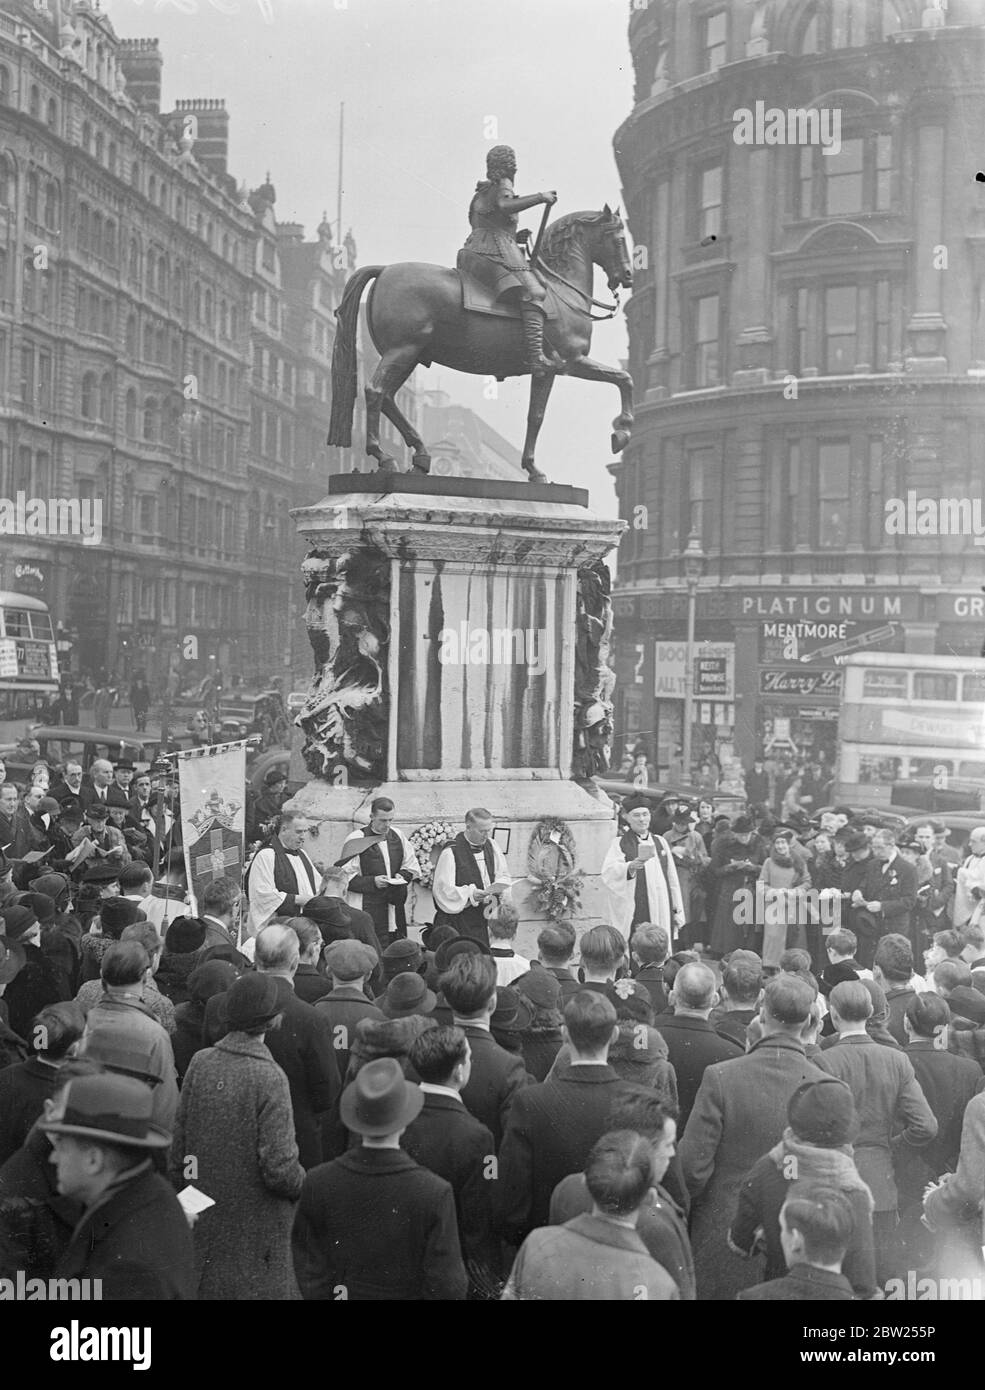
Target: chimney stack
[(142, 64), (211, 147)]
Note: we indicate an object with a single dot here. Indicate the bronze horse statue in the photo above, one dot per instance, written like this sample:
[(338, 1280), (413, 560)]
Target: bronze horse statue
[(416, 315)]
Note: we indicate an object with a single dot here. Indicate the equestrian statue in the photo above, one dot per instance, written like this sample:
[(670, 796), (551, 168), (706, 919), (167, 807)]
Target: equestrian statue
[(500, 313)]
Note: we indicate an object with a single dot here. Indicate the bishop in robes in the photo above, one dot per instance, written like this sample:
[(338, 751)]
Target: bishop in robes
[(372, 873), (467, 872), (641, 876), (281, 878)]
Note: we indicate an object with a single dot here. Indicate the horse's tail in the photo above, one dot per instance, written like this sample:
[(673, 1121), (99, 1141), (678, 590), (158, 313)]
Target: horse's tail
[(344, 357)]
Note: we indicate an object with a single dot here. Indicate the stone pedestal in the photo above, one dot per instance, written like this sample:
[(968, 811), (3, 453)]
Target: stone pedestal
[(451, 645)]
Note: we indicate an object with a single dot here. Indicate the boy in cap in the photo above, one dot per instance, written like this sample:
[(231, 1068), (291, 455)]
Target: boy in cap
[(374, 1222), (133, 1235)]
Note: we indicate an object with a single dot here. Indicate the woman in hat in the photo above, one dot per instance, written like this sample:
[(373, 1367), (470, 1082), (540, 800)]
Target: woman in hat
[(208, 979), (736, 859), (235, 1116), (106, 926), (822, 1125), (781, 905), (691, 857)]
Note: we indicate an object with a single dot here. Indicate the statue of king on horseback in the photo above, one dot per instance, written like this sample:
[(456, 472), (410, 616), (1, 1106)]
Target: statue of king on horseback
[(498, 314), (495, 243)]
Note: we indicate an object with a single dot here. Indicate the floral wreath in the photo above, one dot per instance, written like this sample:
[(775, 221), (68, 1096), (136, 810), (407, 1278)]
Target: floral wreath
[(551, 868), (428, 842)]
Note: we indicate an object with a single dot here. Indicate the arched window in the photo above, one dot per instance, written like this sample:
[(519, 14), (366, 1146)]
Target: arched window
[(32, 196), (161, 343), (832, 24), (135, 174), (162, 276), (178, 288), (224, 319), (234, 322), (94, 320), (86, 137), (8, 182), (148, 342), (164, 195), (197, 299), (52, 112), (34, 102), (106, 398), (131, 413), (152, 189), (130, 338), (134, 261), (179, 209), (4, 85), (107, 326), (88, 403), (221, 382), (225, 247), (42, 474), (151, 419), (100, 146), (111, 157), (208, 310), (109, 241), (207, 375), (52, 205), (151, 262), (97, 234)]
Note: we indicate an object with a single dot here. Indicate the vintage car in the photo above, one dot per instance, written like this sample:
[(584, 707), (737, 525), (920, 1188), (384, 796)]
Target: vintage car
[(62, 743), (244, 713)]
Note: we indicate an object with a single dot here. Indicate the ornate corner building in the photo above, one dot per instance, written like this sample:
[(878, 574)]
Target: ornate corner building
[(807, 342), (165, 348)]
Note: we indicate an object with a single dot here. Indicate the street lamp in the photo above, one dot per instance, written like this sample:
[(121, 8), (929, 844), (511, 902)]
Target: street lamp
[(694, 567)]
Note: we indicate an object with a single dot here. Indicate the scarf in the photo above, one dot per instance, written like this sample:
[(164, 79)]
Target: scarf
[(833, 1167)]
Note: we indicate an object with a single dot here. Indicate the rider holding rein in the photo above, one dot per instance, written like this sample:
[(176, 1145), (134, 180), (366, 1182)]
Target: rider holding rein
[(493, 219)]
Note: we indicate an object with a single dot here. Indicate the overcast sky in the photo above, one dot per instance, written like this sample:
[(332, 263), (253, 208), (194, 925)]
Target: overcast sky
[(420, 80)]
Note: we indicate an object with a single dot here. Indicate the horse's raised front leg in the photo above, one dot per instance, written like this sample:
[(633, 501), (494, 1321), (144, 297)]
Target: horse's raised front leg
[(540, 390), (393, 369), (590, 370)]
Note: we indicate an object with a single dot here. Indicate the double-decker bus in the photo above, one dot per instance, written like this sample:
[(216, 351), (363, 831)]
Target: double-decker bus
[(28, 662), (908, 718)]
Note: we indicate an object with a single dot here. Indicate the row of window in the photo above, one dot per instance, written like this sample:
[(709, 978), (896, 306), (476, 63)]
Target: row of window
[(939, 687), (271, 436), (825, 25), (40, 106), (273, 371), (856, 180)]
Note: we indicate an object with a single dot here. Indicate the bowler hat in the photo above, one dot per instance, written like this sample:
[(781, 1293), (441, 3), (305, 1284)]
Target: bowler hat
[(459, 946), (407, 994), (42, 906), (101, 873), (855, 840), (114, 1109), (185, 935), (12, 960), (117, 913), (117, 797), (97, 811), (251, 1002), (17, 921), (380, 1101), (350, 960), (823, 1113)]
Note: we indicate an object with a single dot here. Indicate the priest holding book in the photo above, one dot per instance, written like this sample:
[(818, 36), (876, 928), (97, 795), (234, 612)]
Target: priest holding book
[(641, 876), (381, 863), (470, 876)]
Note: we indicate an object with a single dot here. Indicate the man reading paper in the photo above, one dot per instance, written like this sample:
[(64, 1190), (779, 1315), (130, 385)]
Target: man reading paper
[(641, 876), (470, 873)]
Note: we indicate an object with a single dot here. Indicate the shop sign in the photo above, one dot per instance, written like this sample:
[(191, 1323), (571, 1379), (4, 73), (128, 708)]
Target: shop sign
[(821, 641), (800, 683)]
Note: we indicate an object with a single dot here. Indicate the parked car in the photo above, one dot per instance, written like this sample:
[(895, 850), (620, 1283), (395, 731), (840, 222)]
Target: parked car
[(259, 712), (62, 743), (960, 794)]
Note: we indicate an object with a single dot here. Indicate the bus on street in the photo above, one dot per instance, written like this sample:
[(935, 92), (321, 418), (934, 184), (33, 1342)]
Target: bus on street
[(908, 718), (28, 663)]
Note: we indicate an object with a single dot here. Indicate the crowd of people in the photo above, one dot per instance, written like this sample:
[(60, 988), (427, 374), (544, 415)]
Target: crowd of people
[(288, 1096)]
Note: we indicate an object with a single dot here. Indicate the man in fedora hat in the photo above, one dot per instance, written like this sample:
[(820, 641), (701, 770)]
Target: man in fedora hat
[(349, 965), (373, 1223), (452, 1143), (133, 1234), (407, 994)]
